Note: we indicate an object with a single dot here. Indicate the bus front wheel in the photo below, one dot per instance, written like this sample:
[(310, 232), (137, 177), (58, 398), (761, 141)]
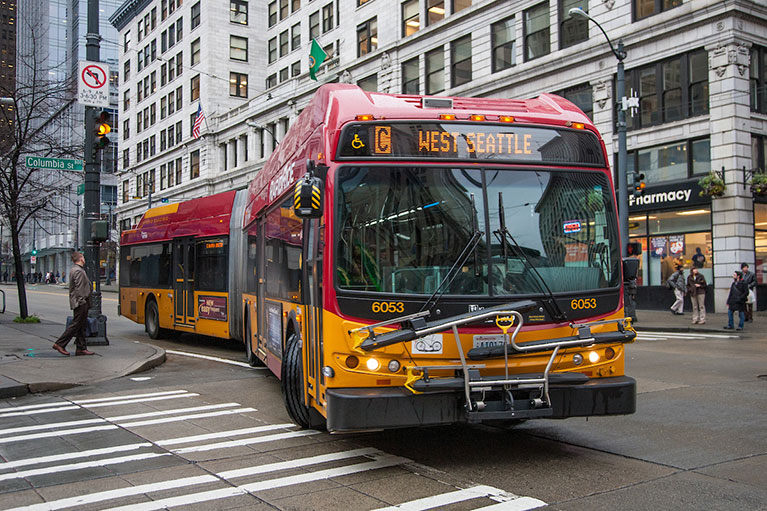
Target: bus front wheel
[(152, 320), (293, 387)]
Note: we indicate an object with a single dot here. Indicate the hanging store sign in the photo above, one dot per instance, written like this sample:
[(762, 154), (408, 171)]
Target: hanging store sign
[(668, 195)]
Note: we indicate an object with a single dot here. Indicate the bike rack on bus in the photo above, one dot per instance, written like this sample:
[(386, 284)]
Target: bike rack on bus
[(414, 327)]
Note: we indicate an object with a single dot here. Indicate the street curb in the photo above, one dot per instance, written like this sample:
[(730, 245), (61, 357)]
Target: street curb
[(155, 360), (11, 388)]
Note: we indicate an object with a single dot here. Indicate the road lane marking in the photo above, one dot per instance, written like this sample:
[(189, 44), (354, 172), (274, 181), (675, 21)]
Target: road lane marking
[(72, 455), (32, 407), (35, 412), (140, 400), (55, 425), (49, 434), (91, 403), (129, 396), (520, 504), (214, 359), (245, 441), (222, 434), (82, 465), (300, 463), (186, 417), (193, 498), (171, 412), (445, 499)]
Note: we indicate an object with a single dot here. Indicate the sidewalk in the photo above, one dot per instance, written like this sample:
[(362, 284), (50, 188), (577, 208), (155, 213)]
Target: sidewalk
[(651, 320), (28, 364)]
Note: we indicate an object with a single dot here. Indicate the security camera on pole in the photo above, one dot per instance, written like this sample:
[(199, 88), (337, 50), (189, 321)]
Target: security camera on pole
[(93, 92)]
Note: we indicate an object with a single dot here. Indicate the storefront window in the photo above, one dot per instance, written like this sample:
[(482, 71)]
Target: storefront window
[(760, 242), (663, 163), (701, 156)]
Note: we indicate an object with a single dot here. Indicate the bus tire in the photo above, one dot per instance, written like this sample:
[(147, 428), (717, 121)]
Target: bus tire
[(253, 360), (152, 320), (293, 387)]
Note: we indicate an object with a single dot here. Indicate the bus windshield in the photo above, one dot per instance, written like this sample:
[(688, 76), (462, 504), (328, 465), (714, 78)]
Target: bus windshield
[(401, 228)]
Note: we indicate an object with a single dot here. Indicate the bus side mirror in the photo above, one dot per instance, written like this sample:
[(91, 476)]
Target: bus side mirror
[(307, 198), (630, 268)]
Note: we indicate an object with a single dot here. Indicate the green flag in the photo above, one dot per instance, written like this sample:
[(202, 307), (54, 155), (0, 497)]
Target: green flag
[(316, 57)]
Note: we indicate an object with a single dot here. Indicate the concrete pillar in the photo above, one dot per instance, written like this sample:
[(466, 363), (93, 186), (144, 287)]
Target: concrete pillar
[(730, 114), (268, 140), (280, 132), (254, 137), (242, 150), (232, 161)]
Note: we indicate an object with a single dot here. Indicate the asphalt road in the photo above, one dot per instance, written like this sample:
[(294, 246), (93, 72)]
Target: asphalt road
[(697, 441)]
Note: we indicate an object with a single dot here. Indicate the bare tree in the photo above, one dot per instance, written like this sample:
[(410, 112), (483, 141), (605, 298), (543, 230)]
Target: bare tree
[(31, 125)]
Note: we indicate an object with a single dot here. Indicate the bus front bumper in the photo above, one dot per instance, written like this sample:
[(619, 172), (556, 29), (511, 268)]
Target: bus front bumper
[(396, 407)]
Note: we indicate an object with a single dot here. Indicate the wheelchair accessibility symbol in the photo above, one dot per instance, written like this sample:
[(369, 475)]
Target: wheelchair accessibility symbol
[(357, 142)]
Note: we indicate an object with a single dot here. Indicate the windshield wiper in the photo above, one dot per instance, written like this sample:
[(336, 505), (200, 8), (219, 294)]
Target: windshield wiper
[(468, 249), (503, 234)]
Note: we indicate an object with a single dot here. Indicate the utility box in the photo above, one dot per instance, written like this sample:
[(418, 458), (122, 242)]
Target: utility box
[(100, 230)]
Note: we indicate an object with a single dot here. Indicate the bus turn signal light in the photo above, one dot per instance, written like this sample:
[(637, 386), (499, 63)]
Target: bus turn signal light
[(365, 117), (506, 118), (447, 117), (477, 117), (352, 361), (578, 125)]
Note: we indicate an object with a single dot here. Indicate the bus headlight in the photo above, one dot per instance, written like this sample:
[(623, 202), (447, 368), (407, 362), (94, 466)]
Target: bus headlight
[(593, 357), (394, 366), (373, 364), (328, 372)]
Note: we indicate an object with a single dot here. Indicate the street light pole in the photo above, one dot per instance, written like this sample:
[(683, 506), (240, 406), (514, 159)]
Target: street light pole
[(620, 54)]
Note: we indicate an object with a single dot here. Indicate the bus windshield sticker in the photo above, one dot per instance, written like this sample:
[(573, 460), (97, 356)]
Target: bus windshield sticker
[(427, 345), (455, 141), (571, 226), (211, 307)]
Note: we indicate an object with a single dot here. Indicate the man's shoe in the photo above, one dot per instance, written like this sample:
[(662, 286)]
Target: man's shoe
[(83, 352), (739, 328), (60, 350), (728, 328)]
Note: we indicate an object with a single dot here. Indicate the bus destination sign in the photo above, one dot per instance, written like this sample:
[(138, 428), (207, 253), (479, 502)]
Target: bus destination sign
[(470, 141)]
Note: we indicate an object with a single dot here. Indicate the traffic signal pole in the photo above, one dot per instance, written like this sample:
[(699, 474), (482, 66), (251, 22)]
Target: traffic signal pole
[(91, 197)]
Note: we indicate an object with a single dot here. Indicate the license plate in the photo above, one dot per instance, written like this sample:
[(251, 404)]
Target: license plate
[(488, 341)]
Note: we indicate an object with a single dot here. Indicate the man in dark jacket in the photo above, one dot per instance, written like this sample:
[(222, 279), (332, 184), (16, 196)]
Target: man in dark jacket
[(696, 290), (749, 280), (677, 283), (79, 302), (736, 300)]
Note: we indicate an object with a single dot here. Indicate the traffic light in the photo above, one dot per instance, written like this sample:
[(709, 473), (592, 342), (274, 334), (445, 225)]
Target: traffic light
[(636, 183), (102, 129), (164, 200), (34, 251)]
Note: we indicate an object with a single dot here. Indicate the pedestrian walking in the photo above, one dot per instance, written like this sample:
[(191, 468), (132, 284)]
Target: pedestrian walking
[(677, 283), (736, 301), (5, 276), (749, 280), (79, 302), (696, 290)]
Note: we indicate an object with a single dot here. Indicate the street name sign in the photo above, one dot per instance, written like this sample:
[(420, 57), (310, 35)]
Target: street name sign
[(34, 162), (93, 84)]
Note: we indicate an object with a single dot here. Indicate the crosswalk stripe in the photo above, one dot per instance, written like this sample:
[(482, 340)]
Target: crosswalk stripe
[(129, 396), (214, 359), (244, 441), (222, 434), (48, 434), (54, 425), (299, 463), (140, 400), (171, 412), (520, 504), (82, 500), (31, 407), (193, 498), (686, 334), (72, 455), (35, 412), (79, 466), (444, 499), (185, 417)]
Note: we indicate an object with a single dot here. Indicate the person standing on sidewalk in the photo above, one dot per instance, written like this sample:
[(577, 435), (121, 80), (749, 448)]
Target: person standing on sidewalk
[(677, 283), (736, 301), (696, 289), (79, 302), (749, 280)]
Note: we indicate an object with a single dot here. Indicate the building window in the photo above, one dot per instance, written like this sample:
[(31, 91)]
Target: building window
[(504, 44), (283, 9), (126, 41), (369, 83), (582, 96), (537, 31), (195, 15), (126, 100), (179, 64), (283, 74), (273, 13), (126, 129), (271, 81), (572, 29), (435, 71), (126, 70), (283, 43), (411, 17), (238, 48), (179, 31), (645, 8), (672, 162), (179, 99), (196, 51), (327, 18), (459, 5), (360, 2), (314, 25), (673, 89), (194, 164), (460, 61), (272, 49), (238, 11), (295, 37), (758, 79), (295, 69), (295, 5), (435, 11), (367, 37), (195, 88), (126, 191), (163, 143), (410, 77), (238, 85)]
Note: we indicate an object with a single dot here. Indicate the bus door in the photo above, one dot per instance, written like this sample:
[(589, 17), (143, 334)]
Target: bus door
[(312, 334), (261, 335), (183, 280)]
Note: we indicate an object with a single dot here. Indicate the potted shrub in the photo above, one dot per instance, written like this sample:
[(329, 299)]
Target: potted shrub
[(759, 183), (712, 185)]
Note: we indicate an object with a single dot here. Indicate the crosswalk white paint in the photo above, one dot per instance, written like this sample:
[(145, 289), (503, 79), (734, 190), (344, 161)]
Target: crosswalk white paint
[(684, 336), (48, 434), (246, 441), (518, 504), (222, 434), (39, 411), (153, 422), (79, 466), (213, 359), (72, 455), (139, 400), (129, 396), (444, 499)]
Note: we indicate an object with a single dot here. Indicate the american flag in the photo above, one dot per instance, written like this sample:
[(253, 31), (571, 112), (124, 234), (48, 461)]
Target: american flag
[(198, 122)]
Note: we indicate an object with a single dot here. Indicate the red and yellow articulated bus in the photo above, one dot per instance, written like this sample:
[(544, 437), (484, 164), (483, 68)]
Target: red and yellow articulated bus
[(407, 260)]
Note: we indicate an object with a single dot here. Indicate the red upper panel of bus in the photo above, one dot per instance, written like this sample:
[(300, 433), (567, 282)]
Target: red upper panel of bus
[(315, 132), (207, 216)]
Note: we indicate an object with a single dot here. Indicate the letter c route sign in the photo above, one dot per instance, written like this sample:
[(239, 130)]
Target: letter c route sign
[(93, 84)]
